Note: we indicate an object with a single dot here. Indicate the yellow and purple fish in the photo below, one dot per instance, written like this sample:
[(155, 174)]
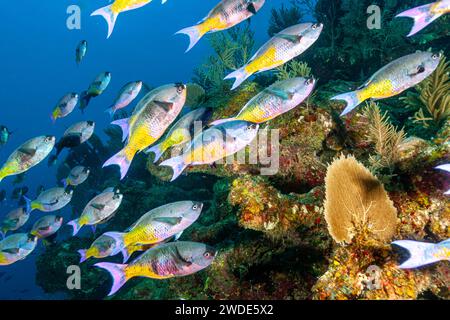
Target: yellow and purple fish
[(175, 259), (181, 132), (77, 176), (99, 210), (423, 253), (426, 14), (281, 48), (393, 79), (15, 219), (148, 124), (225, 15), (127, 94), (214, 144), (111, 12), (16, 247), (27, 156), (275, 100), (46, 226), (52, 199), (65, 106)]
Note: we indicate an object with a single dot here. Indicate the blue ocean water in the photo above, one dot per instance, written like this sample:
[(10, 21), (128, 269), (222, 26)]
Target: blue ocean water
[(38, 67)]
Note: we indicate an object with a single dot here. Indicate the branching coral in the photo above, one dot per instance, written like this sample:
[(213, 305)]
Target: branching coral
[(357, 203), (284, 17), (293, 69)]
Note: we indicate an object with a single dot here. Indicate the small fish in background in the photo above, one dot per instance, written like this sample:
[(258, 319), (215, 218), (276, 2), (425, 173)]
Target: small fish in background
[(423, 253), (75, 135), (175, 259), (127, 94), (99, 210), (4, 135), (104, 246), (16, 247), (111, 12), (274, 101), (52, 199), (97, 87), (15, 219), (65, 106), (18, 193), (393, 79), (46, 226), (181, 132), (225, 15), (214, 144), (81, 51), (445, 167), (77, 176), (426, 14), (27, 156), (148, 124), (2, 196), (158, 225), (283, 47)]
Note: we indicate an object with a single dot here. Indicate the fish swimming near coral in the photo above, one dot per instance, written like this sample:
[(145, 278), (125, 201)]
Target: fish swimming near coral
[(147, 125), (158, 225), (77, 176), (16, 247), (127, 94), (46, 226), (52, 199), (81, 51), (445, 167), (225, 15), (65, 106), (283, 47), (111, 12), (75, 135), (393, 79), (99, 210), (104, 246), (15, 219), (214, 144), (426, 14), (181, 132), (27, 156), (4, 135), (175, 259), (275, 100), (96, 88), (423, 253)]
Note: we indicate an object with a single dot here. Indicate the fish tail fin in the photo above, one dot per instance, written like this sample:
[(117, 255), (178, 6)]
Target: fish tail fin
[(36, 205), (163, 1), (111, 111), (127, 252), (2, 233), (194, 33), (417, 251), (123, 159), (124, 125), (352, 100), (83, 254), (157, 150), (119, 238), (109, 15), (240, 76), (423, 16), (28, 206), (221, 121), (177, 164), (65, 182), (76, 225), (117, 272)]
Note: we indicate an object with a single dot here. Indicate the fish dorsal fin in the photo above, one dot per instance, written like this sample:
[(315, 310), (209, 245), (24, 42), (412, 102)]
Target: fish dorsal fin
[(28, 151), (98, 206), (251, 8), (167, 106), (168, 220), (290, 37)]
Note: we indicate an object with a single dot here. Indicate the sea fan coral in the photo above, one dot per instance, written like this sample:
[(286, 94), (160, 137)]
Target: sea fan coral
[(357, 203)]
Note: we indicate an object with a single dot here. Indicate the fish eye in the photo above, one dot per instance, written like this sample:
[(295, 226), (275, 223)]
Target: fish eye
[(207, 254), (435, 56), (314, 26)]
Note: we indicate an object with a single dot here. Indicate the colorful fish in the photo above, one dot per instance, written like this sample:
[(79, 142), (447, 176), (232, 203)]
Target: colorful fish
[(27, 156), (393, 79), (214, 144), (422, 253), (147, 125), (275, 100), (111, 12), (426, 14), (283, 47), (16, 247), (225, 15), (104, 246), (181, 132), (52, 199), (99, 210), (175, 259), (127, 94), (4, 135), (15, 219), (46, 226), (77, 176), (65, 106), (97, 87), (81, 51)]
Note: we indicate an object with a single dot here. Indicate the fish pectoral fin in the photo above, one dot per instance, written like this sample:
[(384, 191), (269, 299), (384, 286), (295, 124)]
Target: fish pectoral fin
[(289, 37), (28, 151), (251, 8), (98, 206), (51, 203), (179, 258), (169, 220), (11, 250), (167, 106), (420, 69), (44, 228), (280, 93)]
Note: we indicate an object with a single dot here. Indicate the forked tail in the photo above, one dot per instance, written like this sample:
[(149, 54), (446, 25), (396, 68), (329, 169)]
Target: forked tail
[(177, 164), (418, 253), (240, 76), (117, 272), (423, 16), (194, 33), (122, 159), (109, 16), (352, 100)]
